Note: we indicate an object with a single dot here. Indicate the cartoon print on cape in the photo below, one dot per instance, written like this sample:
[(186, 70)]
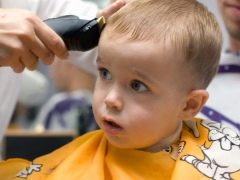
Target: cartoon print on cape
[(28, 171), (218, 162)]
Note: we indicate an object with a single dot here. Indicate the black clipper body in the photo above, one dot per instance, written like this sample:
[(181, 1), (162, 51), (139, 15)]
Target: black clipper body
[(77, 34)]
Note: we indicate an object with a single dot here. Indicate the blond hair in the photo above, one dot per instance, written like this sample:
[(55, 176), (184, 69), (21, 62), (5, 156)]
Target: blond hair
[(189, 26)]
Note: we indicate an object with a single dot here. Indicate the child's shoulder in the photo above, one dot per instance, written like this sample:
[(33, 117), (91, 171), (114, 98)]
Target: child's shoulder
[(12, 167), (203, 131), (63, 152), (21, 168), (203, 127)]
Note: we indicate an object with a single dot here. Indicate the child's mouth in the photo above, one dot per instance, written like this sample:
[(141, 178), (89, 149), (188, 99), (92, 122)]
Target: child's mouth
[(111, 127)]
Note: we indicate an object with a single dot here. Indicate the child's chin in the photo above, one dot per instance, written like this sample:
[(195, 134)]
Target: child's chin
[(122, 144)]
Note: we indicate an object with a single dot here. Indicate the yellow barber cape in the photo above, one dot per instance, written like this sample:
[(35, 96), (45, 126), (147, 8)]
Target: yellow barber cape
[(212, 153)]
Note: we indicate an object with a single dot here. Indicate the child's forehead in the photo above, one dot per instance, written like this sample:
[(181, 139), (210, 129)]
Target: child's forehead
[(115, 42)]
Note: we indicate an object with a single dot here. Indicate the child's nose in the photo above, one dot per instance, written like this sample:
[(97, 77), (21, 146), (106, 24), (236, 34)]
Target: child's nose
[(113, 100)]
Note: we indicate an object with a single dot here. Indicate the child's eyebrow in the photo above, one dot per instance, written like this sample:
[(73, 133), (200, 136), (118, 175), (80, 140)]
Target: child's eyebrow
[(144, 76)]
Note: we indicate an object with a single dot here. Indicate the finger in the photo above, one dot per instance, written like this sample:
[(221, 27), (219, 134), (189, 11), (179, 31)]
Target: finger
[(51, 40), (41, 51), (111, 9), (10, 60), (29, 60), (9, 52), (4, 62), (18, 66)]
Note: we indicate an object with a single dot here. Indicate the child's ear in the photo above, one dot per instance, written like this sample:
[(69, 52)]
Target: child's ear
[(193, 104)]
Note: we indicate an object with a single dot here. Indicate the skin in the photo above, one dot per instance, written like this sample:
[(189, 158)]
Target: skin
[(230, 10), (138, 100), (113, 7), (24, 38)]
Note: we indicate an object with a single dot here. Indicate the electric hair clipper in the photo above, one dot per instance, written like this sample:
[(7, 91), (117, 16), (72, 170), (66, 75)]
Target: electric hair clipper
[(77, 34)]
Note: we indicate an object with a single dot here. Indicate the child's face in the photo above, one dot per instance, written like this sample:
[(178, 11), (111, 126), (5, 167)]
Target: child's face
[(137, 100)]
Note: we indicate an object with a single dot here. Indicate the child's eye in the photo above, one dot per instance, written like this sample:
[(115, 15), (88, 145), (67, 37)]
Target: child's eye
[(138, 86), (105, 74)]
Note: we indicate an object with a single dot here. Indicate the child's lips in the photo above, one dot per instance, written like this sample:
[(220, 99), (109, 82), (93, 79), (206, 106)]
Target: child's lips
[(111, 127)]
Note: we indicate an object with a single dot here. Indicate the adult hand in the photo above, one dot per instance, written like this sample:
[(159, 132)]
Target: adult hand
[(25, 38), (113, 7)]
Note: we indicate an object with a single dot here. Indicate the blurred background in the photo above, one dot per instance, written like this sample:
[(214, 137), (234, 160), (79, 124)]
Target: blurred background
[(211, 4)]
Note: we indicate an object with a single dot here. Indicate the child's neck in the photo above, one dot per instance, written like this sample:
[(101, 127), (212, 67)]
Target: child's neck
[(166, 142)]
